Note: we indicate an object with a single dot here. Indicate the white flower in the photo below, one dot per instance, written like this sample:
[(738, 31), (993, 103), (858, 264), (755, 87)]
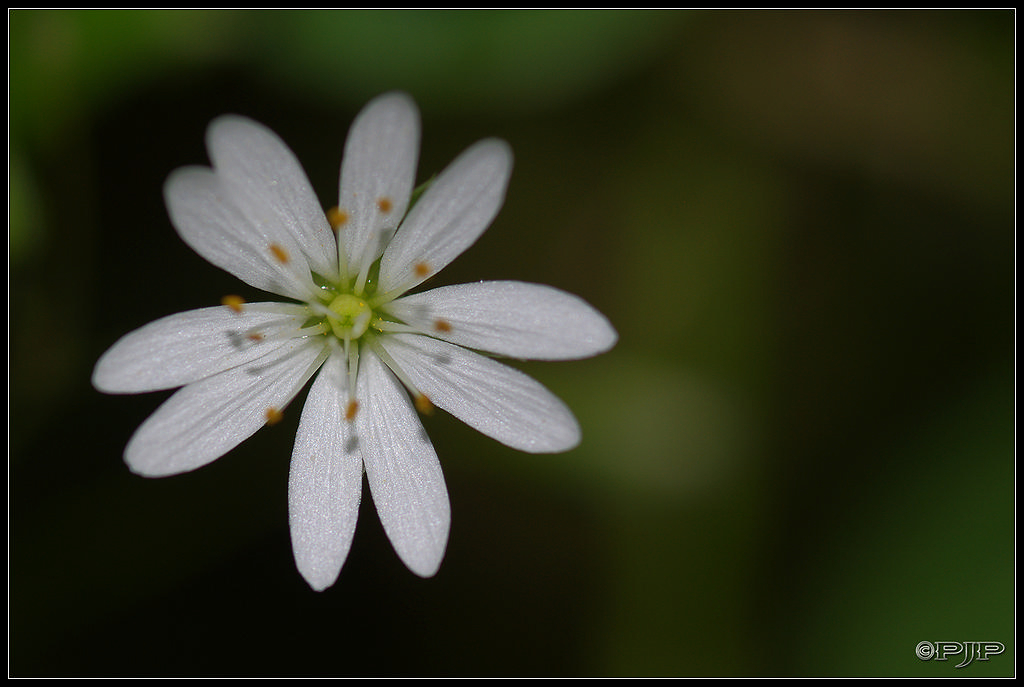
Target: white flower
[(371, 347)]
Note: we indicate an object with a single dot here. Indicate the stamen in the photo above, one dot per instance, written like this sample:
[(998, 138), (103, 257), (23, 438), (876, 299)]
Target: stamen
[(422, 269), (420, 400), (279, 253), (443, 326), (294, 310), (273, 414), (336, 217), (351, 409), (382, 325), (321, 309), (352, 353), (384, 204), (314, 330), (233, 302), (273, 332)]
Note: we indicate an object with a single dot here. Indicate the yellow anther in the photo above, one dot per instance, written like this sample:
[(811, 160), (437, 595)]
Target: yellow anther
[(384, 204), (422, 269), (274, 416), (233, 302), (443, 326), (351, 409), (279, 253), (423, 404), (337, 217)]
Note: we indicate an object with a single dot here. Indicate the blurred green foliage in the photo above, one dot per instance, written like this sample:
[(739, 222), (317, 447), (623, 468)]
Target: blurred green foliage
[(799, 460)]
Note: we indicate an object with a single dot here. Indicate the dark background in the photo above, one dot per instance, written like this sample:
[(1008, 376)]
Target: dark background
[(799, 459)]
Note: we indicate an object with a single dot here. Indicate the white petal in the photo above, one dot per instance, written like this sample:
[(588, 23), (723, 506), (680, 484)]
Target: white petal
[(186, 347), (402, 469), (205, 420), (510, 318), (450, 216), (269, 186), (378, 169), (325, 479), (495, 399), (208, 220)]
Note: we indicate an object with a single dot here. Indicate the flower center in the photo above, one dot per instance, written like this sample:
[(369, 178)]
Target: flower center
[(349, 316)]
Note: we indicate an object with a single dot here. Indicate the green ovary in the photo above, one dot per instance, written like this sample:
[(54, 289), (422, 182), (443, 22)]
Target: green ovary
[(350, 316)]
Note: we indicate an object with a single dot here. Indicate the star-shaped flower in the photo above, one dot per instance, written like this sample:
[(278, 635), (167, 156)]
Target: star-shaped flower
[(377, 354)]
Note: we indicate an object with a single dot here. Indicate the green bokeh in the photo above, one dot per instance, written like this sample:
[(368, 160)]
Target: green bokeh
[(798, 461)]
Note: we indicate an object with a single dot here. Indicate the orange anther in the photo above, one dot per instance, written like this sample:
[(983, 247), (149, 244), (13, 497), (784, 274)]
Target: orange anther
[(442, 325), (423, 404), (351, 409), (422, 269), (279, 253), (384, 204), (336, 217), (233, 302), (274, 416)]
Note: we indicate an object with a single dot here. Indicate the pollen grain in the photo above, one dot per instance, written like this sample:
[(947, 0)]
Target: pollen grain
[(421, 269), (384, 204)]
